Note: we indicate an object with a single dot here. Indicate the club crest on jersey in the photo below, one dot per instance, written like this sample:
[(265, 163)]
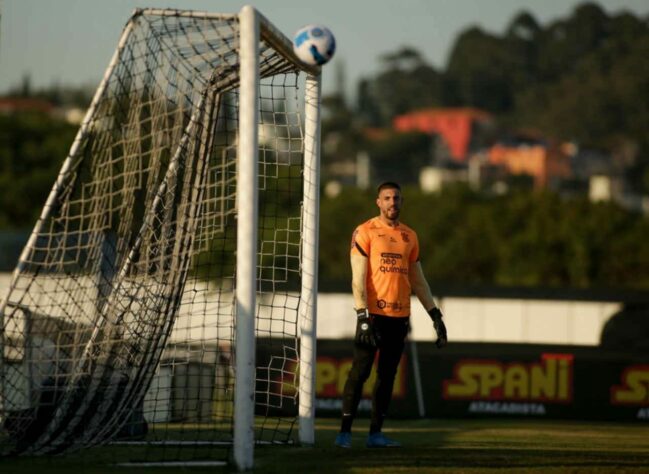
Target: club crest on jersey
[(405, 237), (394, 305)]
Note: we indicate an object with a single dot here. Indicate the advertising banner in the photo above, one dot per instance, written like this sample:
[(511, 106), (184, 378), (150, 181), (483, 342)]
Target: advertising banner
[(505, 380), (333, 364)]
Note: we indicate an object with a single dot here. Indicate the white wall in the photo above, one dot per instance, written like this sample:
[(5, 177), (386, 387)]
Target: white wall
[(485, 320), (467, 319)]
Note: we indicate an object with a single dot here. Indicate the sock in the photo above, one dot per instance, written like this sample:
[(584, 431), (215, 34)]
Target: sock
[(376, 425), (346, 424)]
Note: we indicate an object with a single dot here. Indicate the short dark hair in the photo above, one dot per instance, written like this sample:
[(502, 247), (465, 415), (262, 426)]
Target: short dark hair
[(387, 185)]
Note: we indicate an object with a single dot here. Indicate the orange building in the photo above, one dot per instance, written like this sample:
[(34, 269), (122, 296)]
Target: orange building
[(538, 160), (457, 126), (9, 105)]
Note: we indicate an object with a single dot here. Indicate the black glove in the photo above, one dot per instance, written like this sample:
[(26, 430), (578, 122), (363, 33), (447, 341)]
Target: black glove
[(436, 315), (364, 331)]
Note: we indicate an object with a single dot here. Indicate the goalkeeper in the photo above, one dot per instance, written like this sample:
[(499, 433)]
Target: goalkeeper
[(385, 272)]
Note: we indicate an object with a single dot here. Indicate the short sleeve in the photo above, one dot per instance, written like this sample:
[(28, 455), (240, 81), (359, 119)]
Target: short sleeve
[(360, 244)]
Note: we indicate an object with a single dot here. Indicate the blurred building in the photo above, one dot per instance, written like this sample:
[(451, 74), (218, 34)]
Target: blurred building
[(18, 105), (13, 105), (434, 178), (462, 130), (605, 188), (546, 163), (586, 163), (71, 114)]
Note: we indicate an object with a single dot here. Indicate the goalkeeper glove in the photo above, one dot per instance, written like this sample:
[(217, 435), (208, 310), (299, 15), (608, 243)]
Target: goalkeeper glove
[(364, 331), (436, 315)]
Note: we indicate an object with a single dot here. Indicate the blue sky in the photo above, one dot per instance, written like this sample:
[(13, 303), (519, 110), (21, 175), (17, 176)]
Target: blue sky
[(71, 41)]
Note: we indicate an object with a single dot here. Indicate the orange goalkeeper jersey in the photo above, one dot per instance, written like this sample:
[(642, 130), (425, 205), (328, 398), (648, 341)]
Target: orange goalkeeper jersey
[(390, 251)]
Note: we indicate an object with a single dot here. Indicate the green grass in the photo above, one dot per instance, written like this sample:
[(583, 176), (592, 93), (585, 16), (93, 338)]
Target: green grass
[(430, 446)]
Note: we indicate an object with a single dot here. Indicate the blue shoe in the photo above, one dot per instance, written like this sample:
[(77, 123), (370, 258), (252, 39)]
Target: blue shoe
[(379, 440), (343, 440)]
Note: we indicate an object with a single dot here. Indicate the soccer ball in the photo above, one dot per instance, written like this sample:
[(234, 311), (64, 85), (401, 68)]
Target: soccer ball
[(314, 44)]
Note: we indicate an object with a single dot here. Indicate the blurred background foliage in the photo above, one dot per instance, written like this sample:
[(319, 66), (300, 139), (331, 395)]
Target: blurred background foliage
[(32, 149), (520, 239), (584, 79)]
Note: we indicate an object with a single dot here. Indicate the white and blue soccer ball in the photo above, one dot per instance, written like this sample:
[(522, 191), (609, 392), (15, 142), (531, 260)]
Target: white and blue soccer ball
[(314, 44)]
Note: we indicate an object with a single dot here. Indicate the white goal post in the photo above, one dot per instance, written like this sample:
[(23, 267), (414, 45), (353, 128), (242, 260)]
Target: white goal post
[(166, 297)]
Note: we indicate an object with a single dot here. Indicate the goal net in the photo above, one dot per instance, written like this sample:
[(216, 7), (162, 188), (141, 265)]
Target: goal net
[(125, 316)]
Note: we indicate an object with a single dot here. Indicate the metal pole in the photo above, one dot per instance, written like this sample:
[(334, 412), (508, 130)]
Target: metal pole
[(310, 227), (247, 196)]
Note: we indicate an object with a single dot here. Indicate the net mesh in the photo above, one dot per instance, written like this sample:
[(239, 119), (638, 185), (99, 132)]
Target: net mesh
[(119, 324)]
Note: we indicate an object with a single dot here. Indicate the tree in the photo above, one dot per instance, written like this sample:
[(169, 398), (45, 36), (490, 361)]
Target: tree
[(406, 82), (400, 156), (479, 72), (523, 239), (32, 149)]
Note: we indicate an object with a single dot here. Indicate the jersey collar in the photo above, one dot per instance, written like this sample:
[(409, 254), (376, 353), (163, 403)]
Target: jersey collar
[(383, 224)]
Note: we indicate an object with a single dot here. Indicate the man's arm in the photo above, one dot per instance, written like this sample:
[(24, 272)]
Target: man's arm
[(420, 286), (364, 331), (422, 290), (359, 274)]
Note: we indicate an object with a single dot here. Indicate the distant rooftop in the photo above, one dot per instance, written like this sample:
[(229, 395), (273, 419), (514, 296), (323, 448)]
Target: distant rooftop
[(20, 104)]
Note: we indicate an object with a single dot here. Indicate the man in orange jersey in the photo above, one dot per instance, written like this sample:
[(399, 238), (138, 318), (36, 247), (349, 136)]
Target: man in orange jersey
[(385, 272)]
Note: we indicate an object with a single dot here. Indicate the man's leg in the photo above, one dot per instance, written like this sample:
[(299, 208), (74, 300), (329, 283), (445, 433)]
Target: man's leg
[(393, 332), (353, 391)]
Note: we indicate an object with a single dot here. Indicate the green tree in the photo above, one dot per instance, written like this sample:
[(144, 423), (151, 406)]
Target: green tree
[(523, 239), (406, 82), (32, 149), (400, 156), (339, 217), (480, 70)]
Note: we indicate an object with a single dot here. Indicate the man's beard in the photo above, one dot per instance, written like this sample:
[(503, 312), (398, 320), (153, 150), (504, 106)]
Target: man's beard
[(392, 214)]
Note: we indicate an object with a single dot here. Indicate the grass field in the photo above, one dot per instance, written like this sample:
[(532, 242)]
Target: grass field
[(430, 446)]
